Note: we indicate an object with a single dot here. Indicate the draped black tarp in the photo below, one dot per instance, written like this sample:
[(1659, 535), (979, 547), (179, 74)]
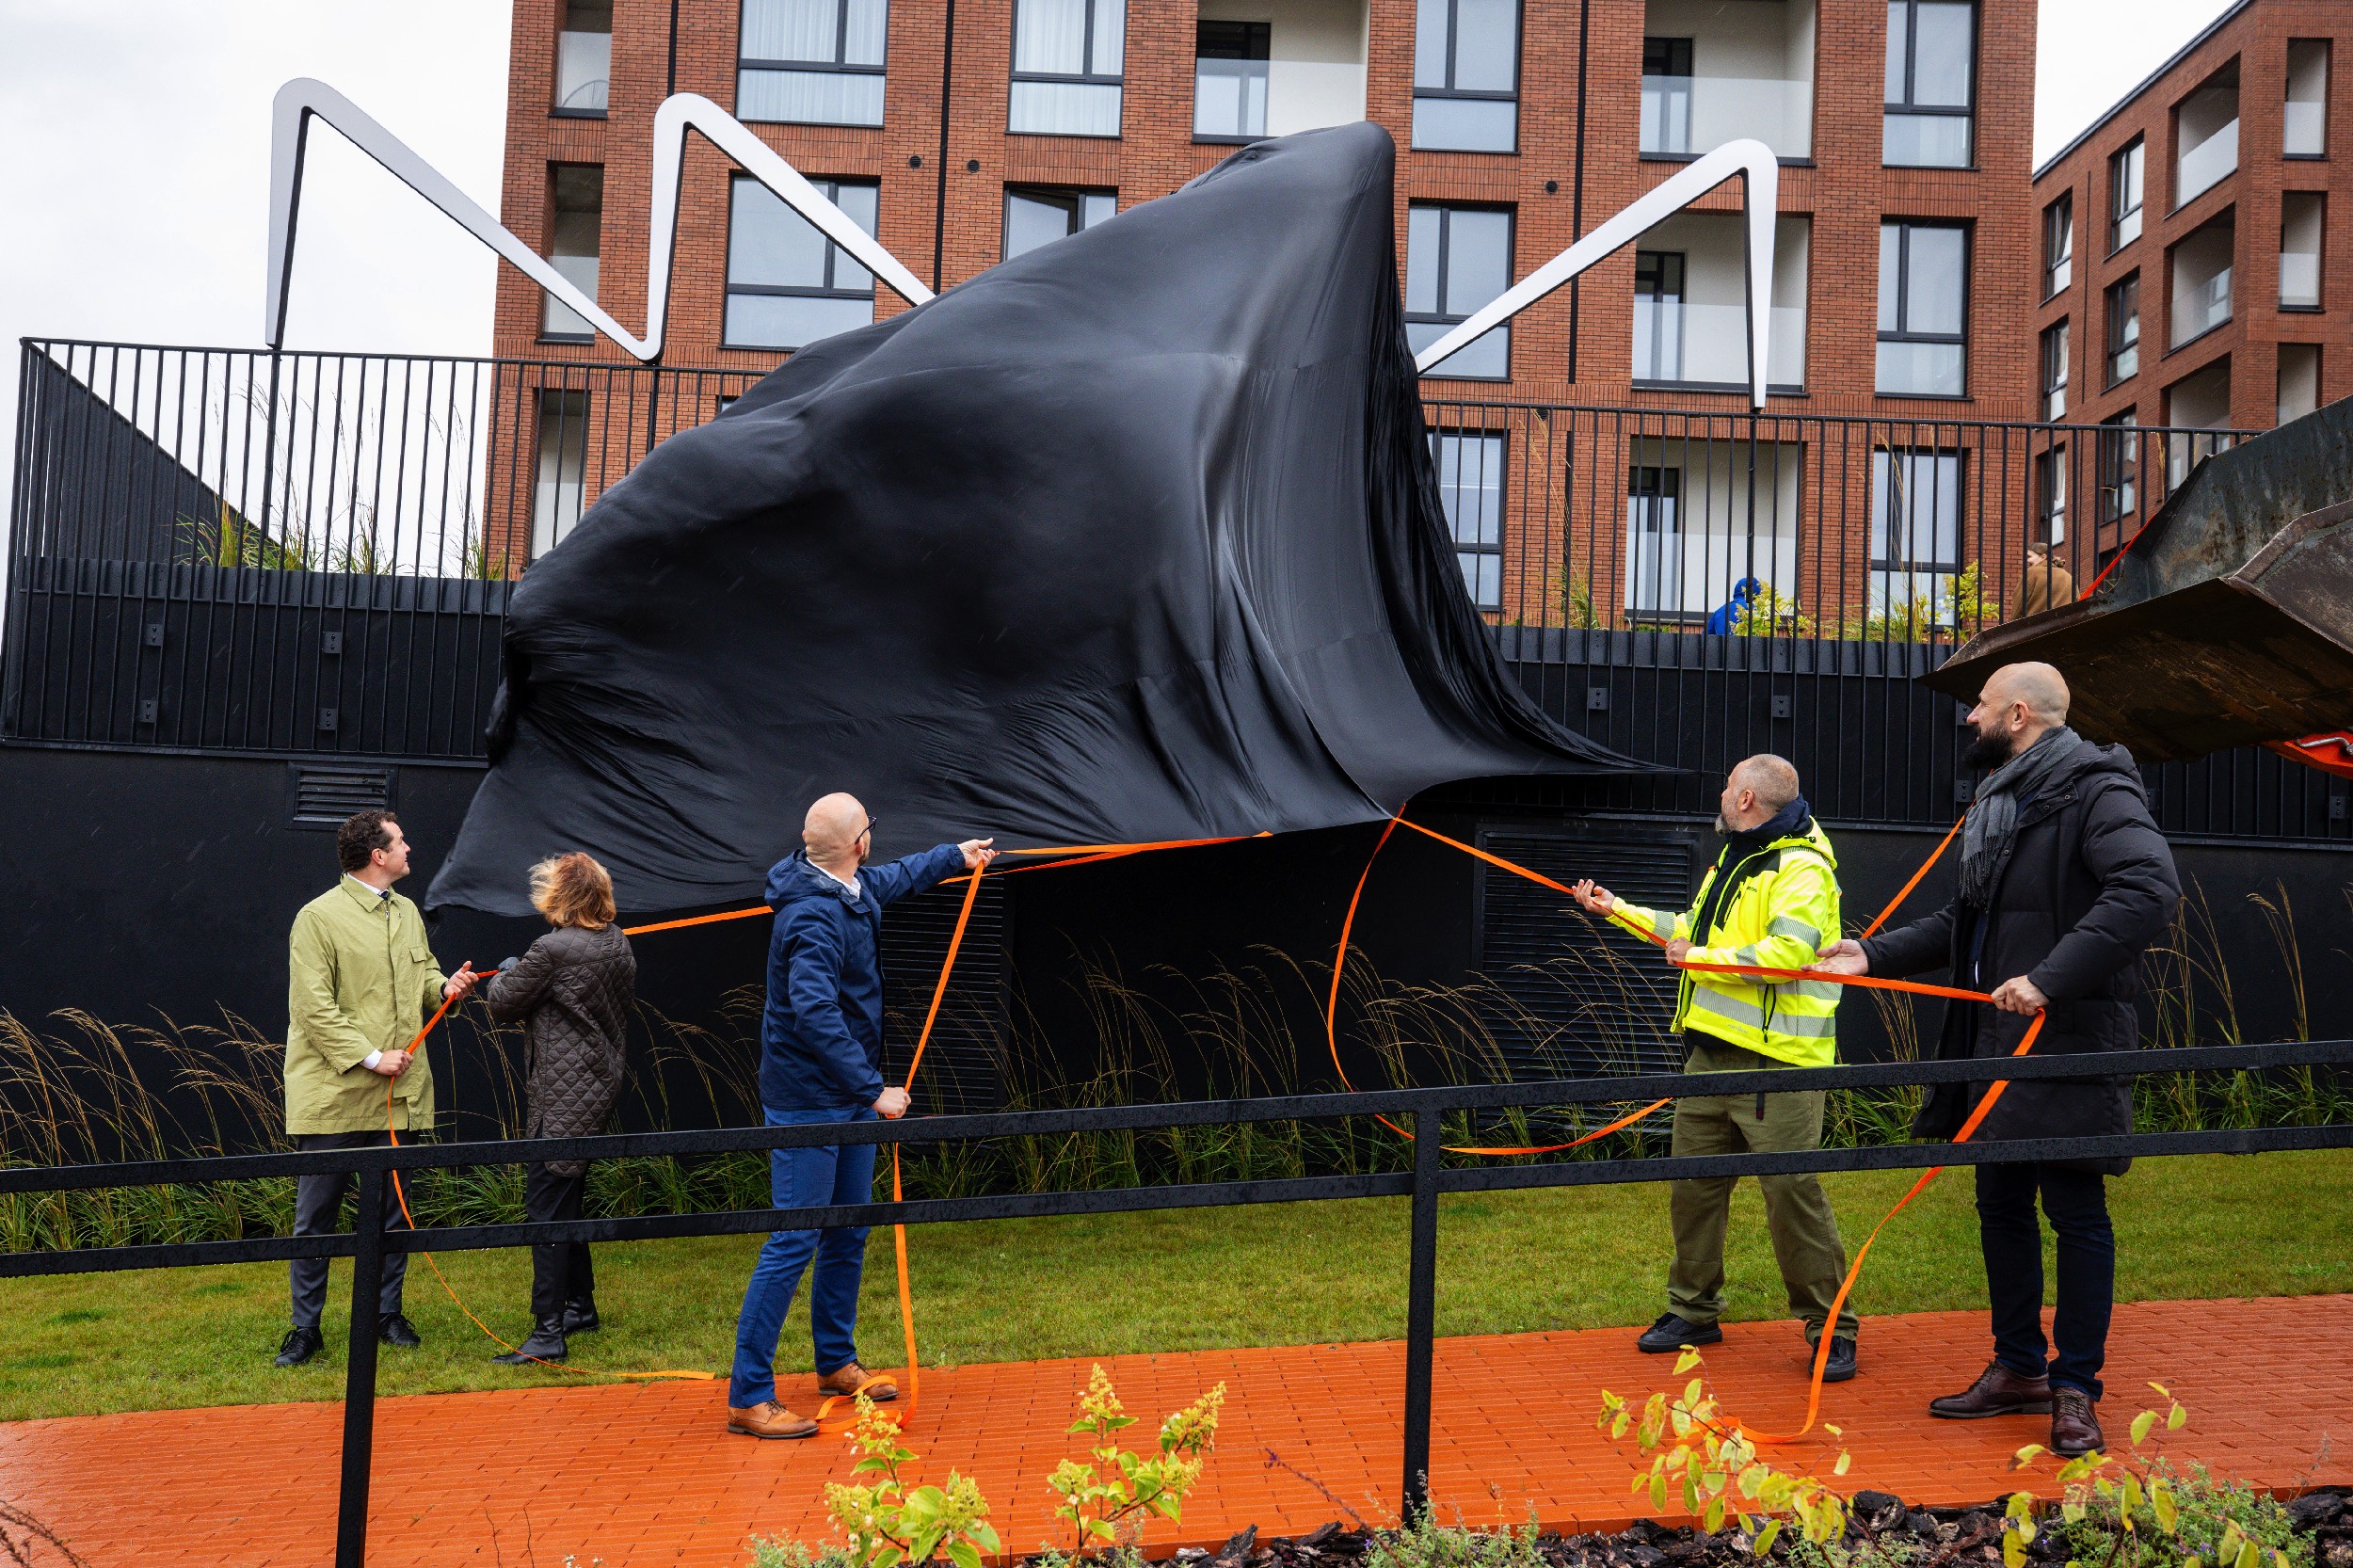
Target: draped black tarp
[(1135, 536)]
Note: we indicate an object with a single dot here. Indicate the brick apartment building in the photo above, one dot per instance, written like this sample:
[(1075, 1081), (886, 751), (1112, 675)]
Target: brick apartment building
[(2184, 272), (1905, 243)]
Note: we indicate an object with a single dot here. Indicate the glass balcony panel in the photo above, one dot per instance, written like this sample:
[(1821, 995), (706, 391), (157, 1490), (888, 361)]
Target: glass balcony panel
[(809, 97), (1925, 141), (1486, 359), (789, 320), (2299, 279), (1230, 98), (560, 320), (2200, 305), (1063, 109), (1697, 114), (1466, 124), (1921, 369), (2202, 166), (583, 65), (1708, 344), (2305, 134)]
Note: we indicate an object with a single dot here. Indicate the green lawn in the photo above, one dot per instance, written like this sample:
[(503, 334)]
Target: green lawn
[(1577, 1257)]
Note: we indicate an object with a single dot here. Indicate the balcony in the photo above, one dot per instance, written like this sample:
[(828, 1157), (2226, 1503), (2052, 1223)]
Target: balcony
[(2205, 137), (1269, 70), (1691, 308), (2302, 219), (1714, 73), (2304, 124), (2201, 282)]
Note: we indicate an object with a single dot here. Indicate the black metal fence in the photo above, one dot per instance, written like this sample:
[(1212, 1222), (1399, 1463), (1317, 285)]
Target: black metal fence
[(1429, 1179), (304, 554)]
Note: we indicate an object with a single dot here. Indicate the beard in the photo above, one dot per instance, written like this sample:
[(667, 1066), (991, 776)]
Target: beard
[(1722, 827), (1986, 751)]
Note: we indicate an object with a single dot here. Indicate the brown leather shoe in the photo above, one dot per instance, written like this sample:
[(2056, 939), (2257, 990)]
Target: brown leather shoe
[(844, 1380), (769, 1419), (1998, 1391), (2075, 1429)]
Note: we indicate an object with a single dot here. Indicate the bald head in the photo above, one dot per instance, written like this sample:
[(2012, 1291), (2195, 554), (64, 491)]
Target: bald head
[(2018, 705), (1756, 791), (835, 832)]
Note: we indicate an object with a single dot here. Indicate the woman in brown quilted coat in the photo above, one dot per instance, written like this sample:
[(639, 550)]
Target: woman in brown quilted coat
[(572, 994)]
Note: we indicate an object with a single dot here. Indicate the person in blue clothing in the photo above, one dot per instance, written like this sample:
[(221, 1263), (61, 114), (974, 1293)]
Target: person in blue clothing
[(1743, 592), (820, 1061)]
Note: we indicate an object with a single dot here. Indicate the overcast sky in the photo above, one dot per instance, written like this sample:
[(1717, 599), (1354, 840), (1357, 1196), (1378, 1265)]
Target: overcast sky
[(134, 161)]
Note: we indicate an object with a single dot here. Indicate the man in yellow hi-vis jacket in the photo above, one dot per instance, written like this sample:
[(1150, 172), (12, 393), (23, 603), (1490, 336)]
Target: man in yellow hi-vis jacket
[(1770, 901)]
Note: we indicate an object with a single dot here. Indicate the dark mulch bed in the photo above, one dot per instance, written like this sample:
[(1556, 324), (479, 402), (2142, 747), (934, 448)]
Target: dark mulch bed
[(1937, 1538)]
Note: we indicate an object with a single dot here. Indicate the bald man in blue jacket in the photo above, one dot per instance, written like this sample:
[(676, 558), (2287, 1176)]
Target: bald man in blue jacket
[(820, 1061)]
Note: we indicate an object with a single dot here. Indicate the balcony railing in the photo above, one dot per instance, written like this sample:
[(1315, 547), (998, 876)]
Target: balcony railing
[(2201, 305), (2207, 164), (1678, 342), (1230, 98), (2299, 279), (237, 553), (2304, 130), (1690, 115)]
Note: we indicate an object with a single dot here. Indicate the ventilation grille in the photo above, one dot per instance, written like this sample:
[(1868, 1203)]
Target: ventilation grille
[(1580, 996), (322, 797), (960, 1065)]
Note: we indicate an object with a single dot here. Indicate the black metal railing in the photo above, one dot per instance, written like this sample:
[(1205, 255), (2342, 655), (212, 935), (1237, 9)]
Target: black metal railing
[(230, 551), (1430, 1178)]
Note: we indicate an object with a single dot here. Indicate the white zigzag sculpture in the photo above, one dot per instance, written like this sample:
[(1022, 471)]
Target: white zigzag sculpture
[(304, 97)]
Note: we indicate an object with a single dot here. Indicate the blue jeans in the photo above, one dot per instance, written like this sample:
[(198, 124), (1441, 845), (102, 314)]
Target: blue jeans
[(806, 1178), (2076, 1202)]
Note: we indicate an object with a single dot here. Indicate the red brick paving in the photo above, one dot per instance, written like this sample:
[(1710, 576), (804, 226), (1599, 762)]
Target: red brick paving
[(647, 1475)]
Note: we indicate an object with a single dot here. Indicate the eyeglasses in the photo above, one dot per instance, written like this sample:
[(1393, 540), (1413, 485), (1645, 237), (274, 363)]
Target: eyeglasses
[(868, 830)]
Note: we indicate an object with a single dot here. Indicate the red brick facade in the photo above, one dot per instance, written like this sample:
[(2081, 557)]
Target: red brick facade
[(2254, 38)]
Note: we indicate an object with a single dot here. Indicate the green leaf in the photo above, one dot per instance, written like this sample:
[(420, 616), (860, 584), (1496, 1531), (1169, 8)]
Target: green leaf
[(2141, 1423), (1714, 1517), (1845, 1460), (887, 1554), (1659, 1489), (964, 1553), (2249, 1556), (1689, 1359), (2161, 1502), (2027, 1455), (1765, 1537), (2173, 1422), (925, 1543), (2013, 1550)]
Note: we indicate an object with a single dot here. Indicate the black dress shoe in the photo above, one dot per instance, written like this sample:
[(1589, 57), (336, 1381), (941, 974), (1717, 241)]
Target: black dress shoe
[(1840, 1366), (299, 1346), (398, 1331), (580, 1317), (2075, 1429), (1672, 1333), (545, 1344)]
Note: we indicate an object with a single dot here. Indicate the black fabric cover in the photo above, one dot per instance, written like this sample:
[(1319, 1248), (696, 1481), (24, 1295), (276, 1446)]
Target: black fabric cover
[(1135, 536)]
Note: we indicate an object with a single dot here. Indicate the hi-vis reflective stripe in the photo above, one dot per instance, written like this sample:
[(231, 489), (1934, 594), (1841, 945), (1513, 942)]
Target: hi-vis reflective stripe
[(1707, 999), (1813, 990), (1787, 925)]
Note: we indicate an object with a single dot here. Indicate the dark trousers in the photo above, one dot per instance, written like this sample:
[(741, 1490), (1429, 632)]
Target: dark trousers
[(560, 1270), (2076, 1202), (319, 1211)]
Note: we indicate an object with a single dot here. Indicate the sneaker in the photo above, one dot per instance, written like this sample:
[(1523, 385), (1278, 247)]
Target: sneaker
[(769, 1419), (299, 1346), (396, 1330), (1673, 1333), (1840, 1366)]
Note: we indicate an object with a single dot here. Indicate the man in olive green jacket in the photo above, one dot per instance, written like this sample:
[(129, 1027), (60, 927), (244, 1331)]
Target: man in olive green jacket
[(360, 980)]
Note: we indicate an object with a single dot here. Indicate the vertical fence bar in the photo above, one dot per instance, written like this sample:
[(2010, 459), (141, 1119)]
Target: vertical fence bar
[(367, 1282), (1422, 1309)]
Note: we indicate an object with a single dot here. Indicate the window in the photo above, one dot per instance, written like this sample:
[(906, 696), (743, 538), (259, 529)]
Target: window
[(1229, 79), (2050, 497), (2299, 381), (2058, 244), (576, 234), (2123, 301), (2200, 267), (1921, 347), (2304, 129), (1470, 486), (2124, 196), (1916, 534), (2197, 410), (1931, 67), (2055, 372), (1466, 75), (2119, 466), (560, 494), (812, 62), (1067, 60), (1666, 95), (1037, 214), (583, 57), (788, 285), (2302, 219), (1654, 536), (1658, 316), (1456, 260), (2205, 136)]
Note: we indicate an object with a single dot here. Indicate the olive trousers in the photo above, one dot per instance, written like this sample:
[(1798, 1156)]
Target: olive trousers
[(1797, 1211)]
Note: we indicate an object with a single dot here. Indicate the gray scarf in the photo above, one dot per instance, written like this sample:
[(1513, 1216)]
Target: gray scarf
[(1992, 831)]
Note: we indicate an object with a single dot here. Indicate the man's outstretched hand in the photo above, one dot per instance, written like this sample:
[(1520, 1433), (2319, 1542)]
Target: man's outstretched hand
[(1843, 956), (976, 855), (1593, 900), (461, 984)]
